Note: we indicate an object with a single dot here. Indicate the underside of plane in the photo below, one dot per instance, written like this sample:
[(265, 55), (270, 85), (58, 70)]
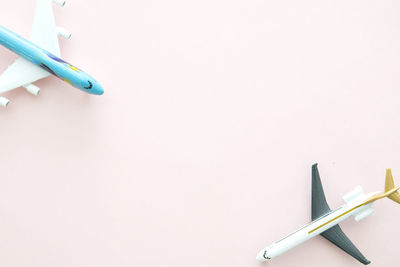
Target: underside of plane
[(23, 73)]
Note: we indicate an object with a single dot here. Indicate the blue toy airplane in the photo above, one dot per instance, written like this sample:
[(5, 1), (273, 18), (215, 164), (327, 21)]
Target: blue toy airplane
[(40, 56)]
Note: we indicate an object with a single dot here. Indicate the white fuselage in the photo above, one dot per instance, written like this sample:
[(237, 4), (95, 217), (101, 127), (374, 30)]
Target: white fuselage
[(353, 206)]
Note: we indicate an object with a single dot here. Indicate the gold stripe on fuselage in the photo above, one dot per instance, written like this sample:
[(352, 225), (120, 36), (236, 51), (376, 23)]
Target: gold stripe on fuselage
[(337, 217), (369, 200)]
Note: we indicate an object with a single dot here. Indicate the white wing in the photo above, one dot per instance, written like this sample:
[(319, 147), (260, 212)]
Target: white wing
[(44, 29), (44, 34), (21, 73)]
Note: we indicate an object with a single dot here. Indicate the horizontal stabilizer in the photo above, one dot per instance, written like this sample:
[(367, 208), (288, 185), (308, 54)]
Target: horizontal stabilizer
[(395, 197)]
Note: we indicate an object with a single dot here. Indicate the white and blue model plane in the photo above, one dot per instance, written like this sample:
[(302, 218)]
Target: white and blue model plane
[(325, 222), (40, 56)]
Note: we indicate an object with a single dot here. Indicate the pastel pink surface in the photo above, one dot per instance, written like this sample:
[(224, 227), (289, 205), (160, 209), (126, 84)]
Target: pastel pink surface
[(200, 151)]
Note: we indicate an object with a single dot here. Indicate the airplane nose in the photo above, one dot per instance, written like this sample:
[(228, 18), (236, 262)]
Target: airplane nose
[(97, 89), (100, 90), (91, 86), (260, 256)]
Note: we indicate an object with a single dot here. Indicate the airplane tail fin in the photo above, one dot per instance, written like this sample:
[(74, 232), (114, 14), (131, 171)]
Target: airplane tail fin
[(389, 185)]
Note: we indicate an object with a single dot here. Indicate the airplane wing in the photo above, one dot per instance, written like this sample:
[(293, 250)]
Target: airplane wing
[(337, 237), (45, 35), (21, 73), (335, 234), (319, 205), (44, 30)]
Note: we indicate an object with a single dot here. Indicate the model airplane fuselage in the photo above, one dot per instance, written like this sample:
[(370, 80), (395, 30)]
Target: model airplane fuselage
[(49, 62), (325, 222), (40, 56)]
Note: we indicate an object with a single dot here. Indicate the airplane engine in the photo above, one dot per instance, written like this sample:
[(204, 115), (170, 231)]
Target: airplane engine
[(353, 195), (4, 102), (363, 214), (60, 2), (64, 33), (33, 89)]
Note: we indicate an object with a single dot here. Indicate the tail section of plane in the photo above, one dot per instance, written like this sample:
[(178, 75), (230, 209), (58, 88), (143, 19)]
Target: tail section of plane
[(390, 188)]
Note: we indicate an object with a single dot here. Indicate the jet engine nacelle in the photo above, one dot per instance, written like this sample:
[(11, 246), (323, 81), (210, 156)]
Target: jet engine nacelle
[(363, 214), (353, 195), (33, 89), (60, 2), (64, 33), (4, 102)]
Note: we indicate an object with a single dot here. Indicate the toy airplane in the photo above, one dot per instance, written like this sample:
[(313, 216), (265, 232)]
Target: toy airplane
[(40, 57), (325, 221)]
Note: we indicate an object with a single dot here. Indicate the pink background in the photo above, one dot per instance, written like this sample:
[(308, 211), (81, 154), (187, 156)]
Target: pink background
[(200, 151)]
